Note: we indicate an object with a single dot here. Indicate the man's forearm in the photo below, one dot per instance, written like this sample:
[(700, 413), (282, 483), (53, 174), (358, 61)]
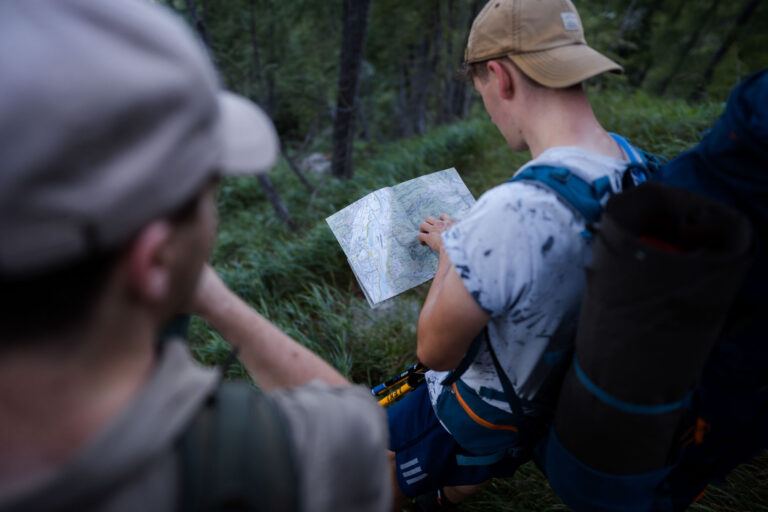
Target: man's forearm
[(273, 359), (443, 267)]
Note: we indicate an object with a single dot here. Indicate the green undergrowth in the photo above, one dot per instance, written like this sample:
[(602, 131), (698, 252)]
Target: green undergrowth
[(745, 490), (301, 281)]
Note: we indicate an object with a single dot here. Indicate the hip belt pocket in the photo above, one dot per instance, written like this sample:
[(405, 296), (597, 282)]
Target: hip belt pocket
[(478, 427)]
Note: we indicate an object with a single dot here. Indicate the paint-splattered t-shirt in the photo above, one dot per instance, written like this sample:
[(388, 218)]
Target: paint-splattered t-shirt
[(521, 255)]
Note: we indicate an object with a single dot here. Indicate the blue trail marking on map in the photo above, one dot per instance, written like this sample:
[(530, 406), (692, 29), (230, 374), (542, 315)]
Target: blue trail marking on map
[(378, 232)]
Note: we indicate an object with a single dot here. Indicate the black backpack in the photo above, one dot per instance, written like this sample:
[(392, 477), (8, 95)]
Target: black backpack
[(649, 459), (236, 455)]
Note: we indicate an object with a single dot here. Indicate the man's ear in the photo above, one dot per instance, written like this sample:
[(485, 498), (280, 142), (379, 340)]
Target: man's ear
[(148, 262), (504, 79)]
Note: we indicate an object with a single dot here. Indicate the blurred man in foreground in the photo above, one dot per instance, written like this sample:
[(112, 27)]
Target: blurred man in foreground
[(112, 134)]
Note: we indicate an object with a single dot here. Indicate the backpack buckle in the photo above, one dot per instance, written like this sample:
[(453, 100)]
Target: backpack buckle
[(561, 175)]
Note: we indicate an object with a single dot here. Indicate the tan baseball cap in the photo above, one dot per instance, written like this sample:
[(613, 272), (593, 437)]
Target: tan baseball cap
[(111, 116), (544, 38)]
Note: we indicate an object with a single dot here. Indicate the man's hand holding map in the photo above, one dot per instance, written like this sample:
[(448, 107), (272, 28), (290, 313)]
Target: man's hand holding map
[(378, 233)]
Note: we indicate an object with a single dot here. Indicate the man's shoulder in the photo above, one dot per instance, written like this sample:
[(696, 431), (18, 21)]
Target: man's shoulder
[(513, 197), (339, 438), (582, 162), (341, 409), (292, 434), (308, 413)]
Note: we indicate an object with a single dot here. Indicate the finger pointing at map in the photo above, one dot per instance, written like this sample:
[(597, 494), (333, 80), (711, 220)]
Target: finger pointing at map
[(431, 229)]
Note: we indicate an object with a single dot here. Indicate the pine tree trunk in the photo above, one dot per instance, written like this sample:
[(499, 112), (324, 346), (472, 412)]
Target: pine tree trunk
[(738, 26), (264, 181), (642, 54), (401, 103), (277, 203), (355, 26), (626, 23), (201, 26), (420, 83), (295, 168), (257, 69), (463, 93), (688, 46)]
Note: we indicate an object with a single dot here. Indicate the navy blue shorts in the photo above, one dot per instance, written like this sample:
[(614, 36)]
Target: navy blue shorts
[(426, 453)]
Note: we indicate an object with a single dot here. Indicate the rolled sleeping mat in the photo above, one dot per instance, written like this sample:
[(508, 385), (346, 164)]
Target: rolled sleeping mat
[(666, 266)]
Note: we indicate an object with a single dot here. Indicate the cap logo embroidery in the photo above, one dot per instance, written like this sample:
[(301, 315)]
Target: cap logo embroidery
[(570, 20)]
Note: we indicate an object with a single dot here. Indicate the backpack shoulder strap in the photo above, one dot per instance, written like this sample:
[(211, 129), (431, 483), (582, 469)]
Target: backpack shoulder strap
[(236, 454), (635, 155), (583, 197), (642, 165)]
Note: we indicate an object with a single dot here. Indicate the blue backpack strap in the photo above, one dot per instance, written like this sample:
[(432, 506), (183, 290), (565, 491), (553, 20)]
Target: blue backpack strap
[(637, 171), (635, 155), (510, 396), (457, 372), (585, 198), (624, 406), (514, 401), (642, 165)]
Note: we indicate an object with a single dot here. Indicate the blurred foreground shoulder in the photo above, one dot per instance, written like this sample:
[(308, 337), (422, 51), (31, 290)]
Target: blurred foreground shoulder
[(339, 436)]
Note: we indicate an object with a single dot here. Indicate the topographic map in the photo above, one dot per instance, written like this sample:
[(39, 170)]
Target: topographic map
[(378, 232)]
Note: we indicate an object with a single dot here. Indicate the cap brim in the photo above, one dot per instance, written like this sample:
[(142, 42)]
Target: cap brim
[(565, 65), (249, 140)]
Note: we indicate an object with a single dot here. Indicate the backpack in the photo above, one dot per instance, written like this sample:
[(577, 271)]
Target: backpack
[(236, 455), (674, 446), (235, 452), (665, 268)]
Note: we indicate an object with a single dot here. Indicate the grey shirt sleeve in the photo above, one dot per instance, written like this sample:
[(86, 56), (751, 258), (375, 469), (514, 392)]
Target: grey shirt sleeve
[(340, 439)]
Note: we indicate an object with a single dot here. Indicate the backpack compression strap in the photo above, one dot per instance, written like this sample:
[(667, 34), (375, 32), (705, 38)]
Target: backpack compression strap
[(236, 455)]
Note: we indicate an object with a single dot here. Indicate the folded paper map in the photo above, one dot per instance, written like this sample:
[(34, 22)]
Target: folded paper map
[(378, 232)]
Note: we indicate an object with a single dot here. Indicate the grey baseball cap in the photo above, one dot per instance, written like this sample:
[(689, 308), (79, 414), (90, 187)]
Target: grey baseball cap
[(111, 116)]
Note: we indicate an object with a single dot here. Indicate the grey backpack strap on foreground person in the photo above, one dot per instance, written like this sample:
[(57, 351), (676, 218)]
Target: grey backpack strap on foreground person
[(236, 455)]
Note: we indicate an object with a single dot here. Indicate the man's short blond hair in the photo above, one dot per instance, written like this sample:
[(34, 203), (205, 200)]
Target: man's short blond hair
[(479, 70)]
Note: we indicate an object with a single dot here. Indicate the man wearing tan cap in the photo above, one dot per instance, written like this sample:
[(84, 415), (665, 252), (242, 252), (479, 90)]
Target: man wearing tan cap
[(113, 132), (498, 323)]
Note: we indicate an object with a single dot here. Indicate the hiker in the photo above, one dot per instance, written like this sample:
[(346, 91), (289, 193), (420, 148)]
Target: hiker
[(113, 132), (498, 323)]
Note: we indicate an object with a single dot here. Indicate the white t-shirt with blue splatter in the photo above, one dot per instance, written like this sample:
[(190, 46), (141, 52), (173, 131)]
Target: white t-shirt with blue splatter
[(521, 255)]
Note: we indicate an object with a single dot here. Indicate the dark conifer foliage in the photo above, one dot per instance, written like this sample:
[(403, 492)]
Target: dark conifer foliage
[(389, 74)]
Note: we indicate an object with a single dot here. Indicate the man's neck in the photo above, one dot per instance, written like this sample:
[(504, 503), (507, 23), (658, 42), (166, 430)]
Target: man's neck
[(565, 118), (57, 395)]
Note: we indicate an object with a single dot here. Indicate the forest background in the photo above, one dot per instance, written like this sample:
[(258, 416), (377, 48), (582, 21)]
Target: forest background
[(363, 94)]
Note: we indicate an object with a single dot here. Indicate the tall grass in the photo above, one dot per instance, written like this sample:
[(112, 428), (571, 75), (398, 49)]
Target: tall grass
[(301, 280)]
